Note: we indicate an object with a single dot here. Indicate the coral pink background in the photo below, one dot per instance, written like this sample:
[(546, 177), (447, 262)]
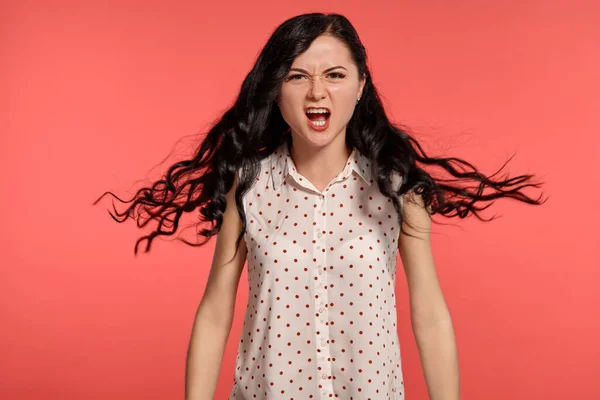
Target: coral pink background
[(96, 93)]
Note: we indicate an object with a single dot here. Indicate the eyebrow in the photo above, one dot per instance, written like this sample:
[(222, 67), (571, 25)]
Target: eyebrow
[(327, 70)]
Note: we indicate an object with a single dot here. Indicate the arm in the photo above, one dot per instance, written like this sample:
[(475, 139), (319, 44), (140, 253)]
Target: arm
[(431, 321), (215, 312)]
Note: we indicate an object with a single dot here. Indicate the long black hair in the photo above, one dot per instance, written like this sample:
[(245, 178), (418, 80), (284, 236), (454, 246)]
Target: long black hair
[(253, 128)]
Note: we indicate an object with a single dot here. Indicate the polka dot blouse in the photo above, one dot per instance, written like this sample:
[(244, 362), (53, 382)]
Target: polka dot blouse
[(321, 314)]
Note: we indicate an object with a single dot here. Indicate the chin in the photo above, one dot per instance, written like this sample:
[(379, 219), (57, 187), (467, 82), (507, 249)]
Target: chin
[(319, 139)]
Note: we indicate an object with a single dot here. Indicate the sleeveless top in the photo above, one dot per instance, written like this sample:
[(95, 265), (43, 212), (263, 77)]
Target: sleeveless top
[(320, 321)]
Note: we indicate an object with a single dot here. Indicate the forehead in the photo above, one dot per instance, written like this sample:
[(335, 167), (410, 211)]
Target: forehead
[(324, 51)]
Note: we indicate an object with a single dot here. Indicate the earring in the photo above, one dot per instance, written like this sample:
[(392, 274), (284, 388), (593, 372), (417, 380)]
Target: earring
[(357, 100)]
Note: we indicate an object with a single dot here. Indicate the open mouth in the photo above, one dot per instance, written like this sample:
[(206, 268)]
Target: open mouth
[(318, 117)]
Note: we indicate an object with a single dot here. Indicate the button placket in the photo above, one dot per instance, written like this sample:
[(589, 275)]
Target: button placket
[(322, 300)]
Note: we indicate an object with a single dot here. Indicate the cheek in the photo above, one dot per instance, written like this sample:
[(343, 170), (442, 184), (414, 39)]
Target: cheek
[(288, 111), (344, 94), (345, 101), (289, 101)]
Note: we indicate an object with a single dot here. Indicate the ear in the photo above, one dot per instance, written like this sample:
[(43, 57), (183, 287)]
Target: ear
[(361, 86)]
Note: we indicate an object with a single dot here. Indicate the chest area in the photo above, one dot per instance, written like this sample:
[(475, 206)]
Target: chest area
[(349, 221)]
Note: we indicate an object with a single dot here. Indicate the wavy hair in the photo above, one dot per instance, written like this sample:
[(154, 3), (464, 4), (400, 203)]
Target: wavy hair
[(253, 127)]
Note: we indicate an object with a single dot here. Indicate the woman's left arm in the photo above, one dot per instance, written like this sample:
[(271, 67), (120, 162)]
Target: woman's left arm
[(430, 317)]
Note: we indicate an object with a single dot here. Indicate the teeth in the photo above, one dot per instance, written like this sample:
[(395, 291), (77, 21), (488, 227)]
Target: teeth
[(319, 123), (317, 111)]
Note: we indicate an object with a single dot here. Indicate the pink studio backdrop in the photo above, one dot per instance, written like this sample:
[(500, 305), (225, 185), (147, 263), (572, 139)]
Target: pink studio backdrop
[(96, 94)]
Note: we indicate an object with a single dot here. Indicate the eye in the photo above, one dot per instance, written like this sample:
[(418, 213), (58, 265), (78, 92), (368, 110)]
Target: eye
[(337, 75), (294, 77)]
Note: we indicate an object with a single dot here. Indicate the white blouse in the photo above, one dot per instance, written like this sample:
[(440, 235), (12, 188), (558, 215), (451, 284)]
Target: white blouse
[(320, 321)]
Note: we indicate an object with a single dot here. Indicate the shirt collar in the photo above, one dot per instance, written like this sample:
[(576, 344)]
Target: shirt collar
[(282, 165)]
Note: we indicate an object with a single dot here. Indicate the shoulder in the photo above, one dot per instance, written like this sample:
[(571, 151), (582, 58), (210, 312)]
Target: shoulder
[(265, 165), (416, 217), (413, 207)]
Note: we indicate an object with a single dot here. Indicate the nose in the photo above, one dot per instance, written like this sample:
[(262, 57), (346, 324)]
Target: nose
[(317, 89)]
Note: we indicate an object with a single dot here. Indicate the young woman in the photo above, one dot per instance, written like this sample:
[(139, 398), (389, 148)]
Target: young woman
[(306, 179)]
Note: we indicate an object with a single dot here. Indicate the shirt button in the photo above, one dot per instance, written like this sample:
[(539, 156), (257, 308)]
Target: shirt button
[(320, 271), (324, 376), (321, 309), (323, 344)]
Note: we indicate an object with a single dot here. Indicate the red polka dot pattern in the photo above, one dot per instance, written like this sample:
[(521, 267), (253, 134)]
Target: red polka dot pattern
[(320, 321)]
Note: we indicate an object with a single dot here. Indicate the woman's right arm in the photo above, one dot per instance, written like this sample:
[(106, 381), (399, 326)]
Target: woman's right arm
[(215, 312)]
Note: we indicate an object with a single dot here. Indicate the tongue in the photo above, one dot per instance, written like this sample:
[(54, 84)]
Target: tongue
[(317, 117)]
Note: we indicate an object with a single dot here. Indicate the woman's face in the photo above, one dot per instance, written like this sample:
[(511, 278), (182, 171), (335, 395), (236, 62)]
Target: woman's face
[(324, 78)]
